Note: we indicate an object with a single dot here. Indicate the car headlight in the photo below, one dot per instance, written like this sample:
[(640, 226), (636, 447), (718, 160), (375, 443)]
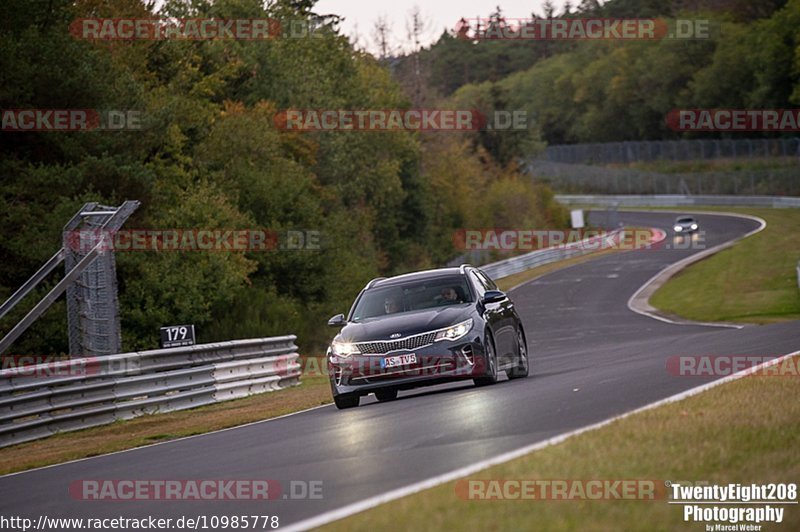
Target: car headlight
[(678, 228), (694, 226), (455, 332), (344, 349)]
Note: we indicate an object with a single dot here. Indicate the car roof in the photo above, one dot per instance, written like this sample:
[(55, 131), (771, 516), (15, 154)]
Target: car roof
[(417, 276)]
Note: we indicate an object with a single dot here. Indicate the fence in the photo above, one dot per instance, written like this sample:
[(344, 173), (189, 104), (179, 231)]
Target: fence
[(587, 179), (678, 201), (672, 150), (37, 401)]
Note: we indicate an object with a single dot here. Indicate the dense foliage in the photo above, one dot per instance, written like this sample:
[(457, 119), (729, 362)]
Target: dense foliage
[(612, 90), (211, 157)]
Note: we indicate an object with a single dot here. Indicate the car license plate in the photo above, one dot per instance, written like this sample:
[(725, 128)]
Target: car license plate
[(400, 360)]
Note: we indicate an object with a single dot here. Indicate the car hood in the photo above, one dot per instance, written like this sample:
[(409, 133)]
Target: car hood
[(405, 324)]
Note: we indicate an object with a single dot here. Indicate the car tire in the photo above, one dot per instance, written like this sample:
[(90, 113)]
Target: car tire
[(346, 401), (491, 364), (388, 394), (521, 370)]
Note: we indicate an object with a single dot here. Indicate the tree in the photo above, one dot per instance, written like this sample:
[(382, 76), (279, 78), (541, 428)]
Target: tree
[(381, 36)]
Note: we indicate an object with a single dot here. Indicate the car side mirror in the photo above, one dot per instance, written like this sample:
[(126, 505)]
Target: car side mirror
[(493, 296), (337, 321)]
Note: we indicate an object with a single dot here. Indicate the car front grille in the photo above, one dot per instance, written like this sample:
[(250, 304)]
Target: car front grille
[(412, 342)]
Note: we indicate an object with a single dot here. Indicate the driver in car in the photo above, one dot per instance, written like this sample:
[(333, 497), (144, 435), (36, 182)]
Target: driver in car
[(449, 296)]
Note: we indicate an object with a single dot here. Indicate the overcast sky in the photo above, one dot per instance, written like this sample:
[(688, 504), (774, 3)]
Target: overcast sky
[(361, 15)]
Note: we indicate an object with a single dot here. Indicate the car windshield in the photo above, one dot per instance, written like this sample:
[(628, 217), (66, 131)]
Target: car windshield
[(685, 220), (411, 296)]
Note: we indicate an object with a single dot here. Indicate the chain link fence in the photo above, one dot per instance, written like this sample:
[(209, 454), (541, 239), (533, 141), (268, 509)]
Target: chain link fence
[(749, 166), (672, 150), (588, 179)]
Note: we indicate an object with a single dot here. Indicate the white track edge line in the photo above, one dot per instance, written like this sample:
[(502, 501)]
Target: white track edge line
[(346, 511), (676, 267)]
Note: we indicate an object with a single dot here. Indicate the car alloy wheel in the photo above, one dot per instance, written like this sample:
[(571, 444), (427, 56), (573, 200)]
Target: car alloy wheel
[(491, 364), (521, 369)]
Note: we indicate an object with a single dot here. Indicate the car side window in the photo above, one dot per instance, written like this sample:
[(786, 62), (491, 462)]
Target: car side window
[(487, 282), (480, 288)]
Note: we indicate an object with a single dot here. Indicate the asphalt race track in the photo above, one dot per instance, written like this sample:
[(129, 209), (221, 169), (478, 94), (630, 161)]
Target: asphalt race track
[(593, 358)]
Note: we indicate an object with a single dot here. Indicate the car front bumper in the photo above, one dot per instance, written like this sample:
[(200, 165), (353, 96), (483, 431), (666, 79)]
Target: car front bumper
[(685, 230), (440, 362)]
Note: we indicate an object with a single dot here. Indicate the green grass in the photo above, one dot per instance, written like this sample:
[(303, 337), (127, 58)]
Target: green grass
[(753, 282), (713, 165), (742, 432)]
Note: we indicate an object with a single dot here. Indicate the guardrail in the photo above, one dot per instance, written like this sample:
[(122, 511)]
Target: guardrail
[(507, 267), (669, 200), (798, 274), (40, 400)]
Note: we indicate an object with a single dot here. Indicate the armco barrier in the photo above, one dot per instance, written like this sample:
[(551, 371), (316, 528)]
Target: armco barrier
[(37, 401), (669, 200), (507, 267)]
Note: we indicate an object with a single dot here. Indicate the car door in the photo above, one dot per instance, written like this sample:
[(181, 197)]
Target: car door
[(506, 327), (493, 314)]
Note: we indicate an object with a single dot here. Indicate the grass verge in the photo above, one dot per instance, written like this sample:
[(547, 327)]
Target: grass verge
[(755, 281), (713, 165), (742, 432)]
